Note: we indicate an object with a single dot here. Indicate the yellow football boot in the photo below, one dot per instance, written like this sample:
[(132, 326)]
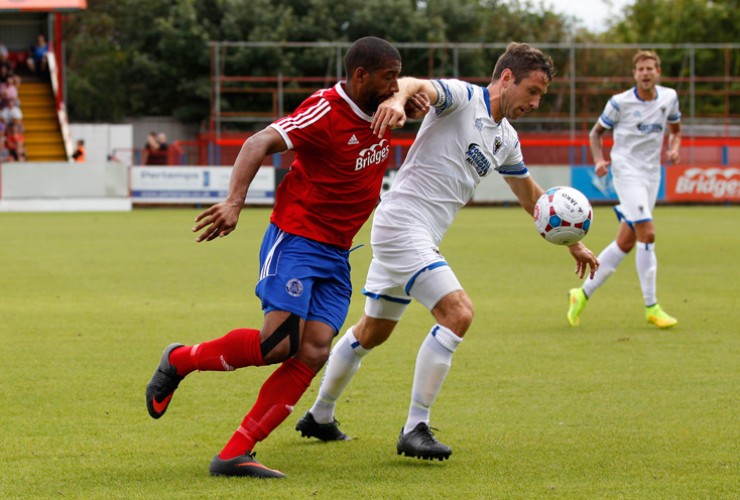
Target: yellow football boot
[(577, 302), (657, 316)]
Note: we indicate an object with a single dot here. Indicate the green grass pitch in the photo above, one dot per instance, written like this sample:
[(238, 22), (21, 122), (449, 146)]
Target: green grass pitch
[(532, 408)]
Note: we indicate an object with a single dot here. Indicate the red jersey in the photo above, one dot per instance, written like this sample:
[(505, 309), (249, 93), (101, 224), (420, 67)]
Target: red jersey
[(334, 182)]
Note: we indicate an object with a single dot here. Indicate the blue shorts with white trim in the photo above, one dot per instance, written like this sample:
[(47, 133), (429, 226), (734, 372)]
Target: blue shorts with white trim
[(305, 277)]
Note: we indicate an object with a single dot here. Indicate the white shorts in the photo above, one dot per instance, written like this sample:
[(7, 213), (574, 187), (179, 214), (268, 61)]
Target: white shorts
[(406, 264), (637, 197)]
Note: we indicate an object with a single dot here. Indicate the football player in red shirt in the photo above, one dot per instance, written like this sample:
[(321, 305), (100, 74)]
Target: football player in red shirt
[(328, 194)]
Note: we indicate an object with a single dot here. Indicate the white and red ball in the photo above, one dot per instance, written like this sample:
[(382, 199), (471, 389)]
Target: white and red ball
[(563, 215)]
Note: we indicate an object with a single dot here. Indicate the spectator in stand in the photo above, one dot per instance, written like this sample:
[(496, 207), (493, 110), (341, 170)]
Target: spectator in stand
[(162, 140), (5, 62), (15, 143), (11, 89), (3, 151), (155, 151), (12, 111), (163, 152), (4, 102), (9, 93), (79, 154), (16, 79), (5, 72), (37, 63), (150, 150)]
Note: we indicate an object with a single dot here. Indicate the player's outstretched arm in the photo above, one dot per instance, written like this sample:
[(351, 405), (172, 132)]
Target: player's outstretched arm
[(417, 106), (391, 113), (221, 219), (585, 259), (526, 190)]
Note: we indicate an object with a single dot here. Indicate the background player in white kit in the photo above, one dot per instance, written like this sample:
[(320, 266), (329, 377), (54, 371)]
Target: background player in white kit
[(638, 118), (466, 137)]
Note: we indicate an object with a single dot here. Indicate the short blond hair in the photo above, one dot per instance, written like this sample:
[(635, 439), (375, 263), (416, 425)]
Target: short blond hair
[(645, 54)]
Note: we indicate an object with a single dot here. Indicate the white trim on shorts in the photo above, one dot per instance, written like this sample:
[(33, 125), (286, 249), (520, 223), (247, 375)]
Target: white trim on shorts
[(389, 300)]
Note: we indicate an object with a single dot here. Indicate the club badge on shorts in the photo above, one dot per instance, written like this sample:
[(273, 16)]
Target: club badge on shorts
[(294, 287)]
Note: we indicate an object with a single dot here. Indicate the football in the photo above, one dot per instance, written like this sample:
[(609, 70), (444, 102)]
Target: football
[(563, 215)]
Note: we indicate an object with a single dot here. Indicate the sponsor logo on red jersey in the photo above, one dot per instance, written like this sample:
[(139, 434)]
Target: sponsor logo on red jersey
[(373, 155)]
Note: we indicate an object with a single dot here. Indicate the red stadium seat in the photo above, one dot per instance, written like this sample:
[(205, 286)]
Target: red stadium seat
[(17, 59)]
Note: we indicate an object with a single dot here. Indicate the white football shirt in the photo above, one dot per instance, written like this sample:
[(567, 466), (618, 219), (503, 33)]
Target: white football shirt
[(639, 127), (458, 144)]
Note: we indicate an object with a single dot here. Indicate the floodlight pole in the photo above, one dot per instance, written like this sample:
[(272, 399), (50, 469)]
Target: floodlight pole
[(572, 112), (218, 91), (339, 62), (692, 96)]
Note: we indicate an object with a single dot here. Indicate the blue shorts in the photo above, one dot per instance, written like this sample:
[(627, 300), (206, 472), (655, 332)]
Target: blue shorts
[(307, 278)]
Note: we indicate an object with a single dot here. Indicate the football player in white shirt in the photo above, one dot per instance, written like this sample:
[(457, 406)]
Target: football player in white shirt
[(638, 118), (466, 137)]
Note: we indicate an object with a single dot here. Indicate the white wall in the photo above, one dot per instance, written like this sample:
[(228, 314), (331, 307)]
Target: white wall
[(101, 139), (34, 187), (493, 188)]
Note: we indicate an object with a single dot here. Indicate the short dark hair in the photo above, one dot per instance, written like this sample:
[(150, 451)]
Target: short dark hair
[(371, 53), (522, 59), (645, 54)]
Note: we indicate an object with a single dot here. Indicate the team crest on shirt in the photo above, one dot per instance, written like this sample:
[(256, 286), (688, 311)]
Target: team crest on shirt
[(294, 287), (476, 159), (662, 110), (498, 141)]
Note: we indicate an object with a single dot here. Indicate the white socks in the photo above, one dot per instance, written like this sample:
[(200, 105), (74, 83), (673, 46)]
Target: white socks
[(609, 259), (645, 261), (343, 363), (432, 364), (647, 270)]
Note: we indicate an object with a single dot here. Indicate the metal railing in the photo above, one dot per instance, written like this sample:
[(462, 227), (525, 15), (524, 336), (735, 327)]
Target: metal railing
[(588, 75)]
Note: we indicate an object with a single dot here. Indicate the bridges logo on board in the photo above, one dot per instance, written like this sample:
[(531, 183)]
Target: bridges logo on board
[(703, 183)]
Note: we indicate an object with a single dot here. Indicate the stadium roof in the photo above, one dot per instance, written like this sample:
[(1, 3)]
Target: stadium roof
[(42, 5)]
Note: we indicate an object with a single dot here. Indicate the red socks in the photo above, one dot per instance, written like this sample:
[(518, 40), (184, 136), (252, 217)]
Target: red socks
[(236, 349), (280, 392)]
